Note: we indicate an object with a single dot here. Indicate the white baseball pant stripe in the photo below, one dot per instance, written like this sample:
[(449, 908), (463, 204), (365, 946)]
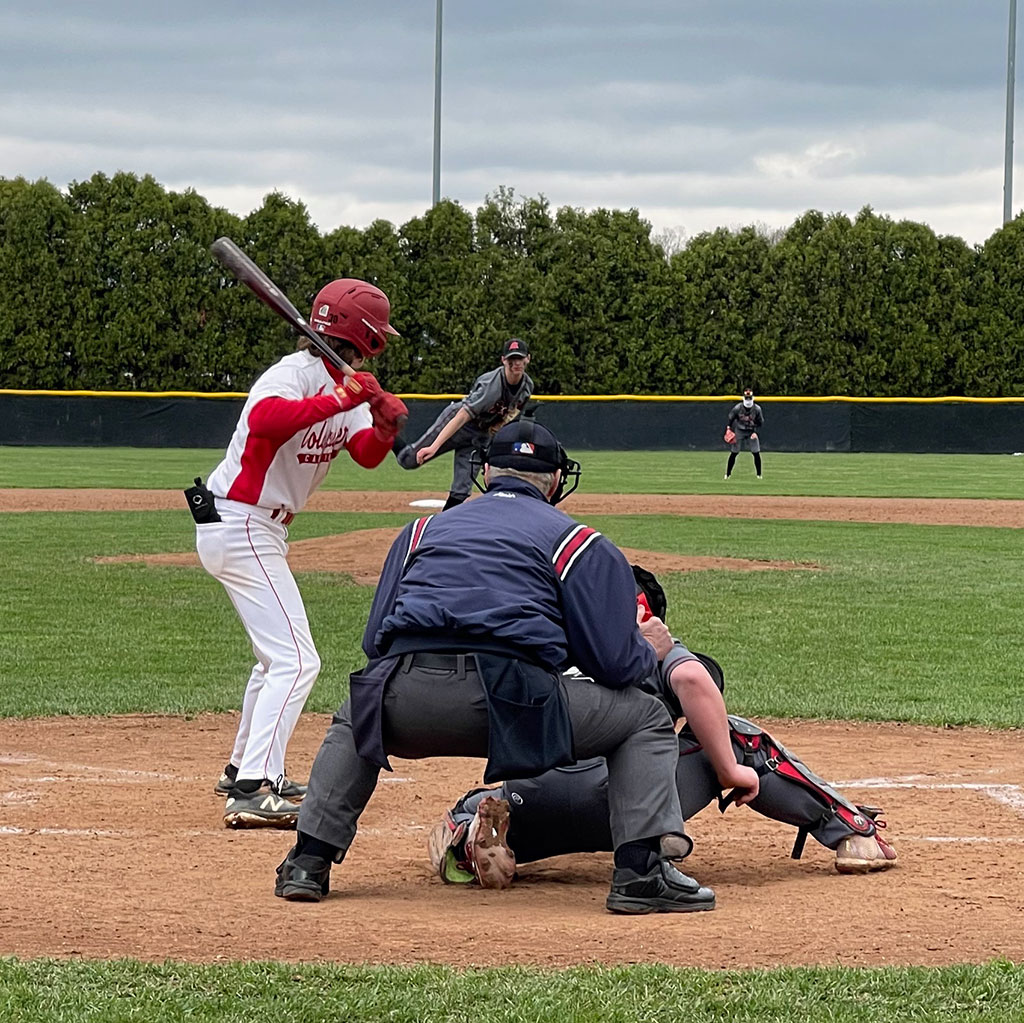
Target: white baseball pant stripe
[(246, 552)]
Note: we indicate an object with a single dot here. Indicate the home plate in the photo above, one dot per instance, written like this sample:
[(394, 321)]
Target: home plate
[(427, 502)]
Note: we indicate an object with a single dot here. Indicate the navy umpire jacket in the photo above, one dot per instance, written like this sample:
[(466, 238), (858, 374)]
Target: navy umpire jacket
[(506, 575)]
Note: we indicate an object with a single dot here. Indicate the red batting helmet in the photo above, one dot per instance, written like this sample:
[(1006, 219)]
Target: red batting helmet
[(355, 311)]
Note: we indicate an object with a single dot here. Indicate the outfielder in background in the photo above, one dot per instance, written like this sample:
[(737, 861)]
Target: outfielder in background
[(298, 417), (745, 419), (497, 397), (565, 810)]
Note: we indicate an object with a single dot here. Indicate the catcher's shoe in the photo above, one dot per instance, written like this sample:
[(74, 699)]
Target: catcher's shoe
[(860, 854), (487, 850), (264, 808), (662, 889), (446, 848), (474, 848), (302, 878)]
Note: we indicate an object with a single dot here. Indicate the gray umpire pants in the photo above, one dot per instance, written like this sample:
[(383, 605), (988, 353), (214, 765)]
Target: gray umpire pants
[(434, 712), (464, 442)]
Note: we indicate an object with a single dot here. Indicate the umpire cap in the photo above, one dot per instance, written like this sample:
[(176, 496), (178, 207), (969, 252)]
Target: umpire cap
[(527, 446)]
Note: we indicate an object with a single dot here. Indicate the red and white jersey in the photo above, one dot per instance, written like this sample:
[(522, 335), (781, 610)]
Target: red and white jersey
[(290, 430)]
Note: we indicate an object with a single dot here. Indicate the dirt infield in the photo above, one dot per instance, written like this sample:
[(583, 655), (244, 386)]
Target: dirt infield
[(112, 845), (111, 840), (919, 511)]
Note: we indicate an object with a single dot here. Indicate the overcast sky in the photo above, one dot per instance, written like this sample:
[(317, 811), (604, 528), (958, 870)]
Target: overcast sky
[(699, 113)]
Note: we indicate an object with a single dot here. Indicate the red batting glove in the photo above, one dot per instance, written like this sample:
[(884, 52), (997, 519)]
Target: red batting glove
[(356, 389), (389, 414)]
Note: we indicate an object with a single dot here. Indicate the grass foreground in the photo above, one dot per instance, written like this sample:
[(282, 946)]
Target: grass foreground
[(123, 991)]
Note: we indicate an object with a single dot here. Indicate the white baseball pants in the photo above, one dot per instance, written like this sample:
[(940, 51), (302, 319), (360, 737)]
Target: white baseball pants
[(245, 552)]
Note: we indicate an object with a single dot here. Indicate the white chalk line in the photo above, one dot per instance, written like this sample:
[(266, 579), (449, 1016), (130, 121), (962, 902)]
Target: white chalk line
[(119, 772), (885, 782), (11, 830), (899, 839), (1004, 793), (117, 775), (19, 797)]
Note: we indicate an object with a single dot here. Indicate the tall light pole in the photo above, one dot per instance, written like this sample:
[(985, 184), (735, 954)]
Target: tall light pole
[(1011, 52), (437, 104)]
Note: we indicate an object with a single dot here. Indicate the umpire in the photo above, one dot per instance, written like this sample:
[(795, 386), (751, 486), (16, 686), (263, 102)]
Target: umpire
[(477, 612)]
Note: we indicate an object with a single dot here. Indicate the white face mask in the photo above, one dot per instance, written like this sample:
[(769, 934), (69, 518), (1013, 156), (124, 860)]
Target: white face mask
[(748, 402)]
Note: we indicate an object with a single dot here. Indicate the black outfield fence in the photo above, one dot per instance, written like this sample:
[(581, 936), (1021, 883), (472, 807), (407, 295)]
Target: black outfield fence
[(622, 422)]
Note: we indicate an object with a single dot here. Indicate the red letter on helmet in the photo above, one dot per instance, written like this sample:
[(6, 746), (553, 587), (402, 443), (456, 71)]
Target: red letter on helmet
[(355, 311)]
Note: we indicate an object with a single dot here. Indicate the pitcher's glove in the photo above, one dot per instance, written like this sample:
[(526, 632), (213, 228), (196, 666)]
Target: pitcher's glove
[(729, 435)]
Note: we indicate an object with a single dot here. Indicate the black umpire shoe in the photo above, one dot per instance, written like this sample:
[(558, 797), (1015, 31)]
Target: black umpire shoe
[(303, 879), (663, 889)]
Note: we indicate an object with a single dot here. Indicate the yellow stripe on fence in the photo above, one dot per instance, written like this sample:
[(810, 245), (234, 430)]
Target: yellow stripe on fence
[(539, 397)]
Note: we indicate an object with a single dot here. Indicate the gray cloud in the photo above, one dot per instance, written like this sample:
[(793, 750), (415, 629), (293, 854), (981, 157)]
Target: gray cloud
[(690, 111)]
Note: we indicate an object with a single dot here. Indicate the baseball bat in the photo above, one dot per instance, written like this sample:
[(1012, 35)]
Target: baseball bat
[(229, 255)]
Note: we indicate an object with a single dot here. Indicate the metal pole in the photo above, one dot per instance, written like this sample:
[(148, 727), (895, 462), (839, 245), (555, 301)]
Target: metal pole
[(437, 104), (1011, 51)]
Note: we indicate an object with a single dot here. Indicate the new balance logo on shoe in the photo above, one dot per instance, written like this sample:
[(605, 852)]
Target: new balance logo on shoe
[(273, 803), (263, 808)]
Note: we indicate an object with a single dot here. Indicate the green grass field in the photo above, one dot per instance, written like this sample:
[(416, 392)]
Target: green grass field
[(127, 992), (604, 472), (893, 622)]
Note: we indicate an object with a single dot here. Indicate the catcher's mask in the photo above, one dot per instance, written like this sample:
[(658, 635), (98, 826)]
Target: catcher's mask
[(651, 597), (649, 593), (528, 446)]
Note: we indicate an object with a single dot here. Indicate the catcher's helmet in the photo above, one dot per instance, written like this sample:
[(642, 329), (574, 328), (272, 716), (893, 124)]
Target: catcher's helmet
[(648, 587), (355, 311), (528, 446)]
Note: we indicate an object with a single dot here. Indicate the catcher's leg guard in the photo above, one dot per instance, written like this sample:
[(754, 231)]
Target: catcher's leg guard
[(792, 793)]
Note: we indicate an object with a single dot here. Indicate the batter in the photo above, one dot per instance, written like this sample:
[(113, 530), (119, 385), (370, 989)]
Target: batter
[(299, 416)]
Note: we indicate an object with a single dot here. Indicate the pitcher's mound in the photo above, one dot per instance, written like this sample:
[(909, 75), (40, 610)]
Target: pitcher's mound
[(361, 555)]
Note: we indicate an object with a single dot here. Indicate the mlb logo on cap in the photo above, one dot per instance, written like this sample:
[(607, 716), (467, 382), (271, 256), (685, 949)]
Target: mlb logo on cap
[(514, 347), (523, 448)]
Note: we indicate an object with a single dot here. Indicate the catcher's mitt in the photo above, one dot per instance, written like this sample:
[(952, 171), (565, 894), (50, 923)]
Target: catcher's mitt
[(729, 435)]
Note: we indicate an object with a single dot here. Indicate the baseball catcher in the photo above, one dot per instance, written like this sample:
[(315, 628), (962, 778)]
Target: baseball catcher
[(488, 831)]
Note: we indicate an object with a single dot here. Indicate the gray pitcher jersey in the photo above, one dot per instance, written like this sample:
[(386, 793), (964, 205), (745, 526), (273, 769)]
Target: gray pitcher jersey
[(492, 397)]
